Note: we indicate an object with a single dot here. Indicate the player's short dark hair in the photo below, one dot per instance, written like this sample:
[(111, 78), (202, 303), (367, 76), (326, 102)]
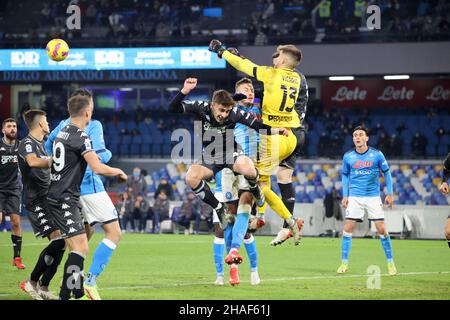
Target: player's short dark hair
[(362, 128), (78, 102), (31, 117), (82, 92), (243, 81), (293, 51), (223, 97), (7, 121)]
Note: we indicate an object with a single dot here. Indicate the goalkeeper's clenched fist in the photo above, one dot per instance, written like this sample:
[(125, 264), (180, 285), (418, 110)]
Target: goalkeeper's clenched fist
[(218, 47)]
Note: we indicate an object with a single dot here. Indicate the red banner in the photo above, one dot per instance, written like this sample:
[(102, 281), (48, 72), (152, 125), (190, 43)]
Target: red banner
[(5, 102), (386, 93)]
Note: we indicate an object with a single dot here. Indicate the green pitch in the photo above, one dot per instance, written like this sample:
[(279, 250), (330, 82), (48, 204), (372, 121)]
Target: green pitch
[(181, 267)]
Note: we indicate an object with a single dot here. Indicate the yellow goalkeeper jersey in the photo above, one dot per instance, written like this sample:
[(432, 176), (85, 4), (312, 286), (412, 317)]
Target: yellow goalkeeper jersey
[(281, 90)]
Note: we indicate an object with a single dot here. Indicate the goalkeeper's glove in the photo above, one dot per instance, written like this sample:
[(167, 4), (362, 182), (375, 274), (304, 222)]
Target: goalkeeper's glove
[(217, 47)]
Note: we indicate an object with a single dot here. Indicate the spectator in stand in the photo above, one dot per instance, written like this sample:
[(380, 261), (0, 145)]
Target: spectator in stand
[(141, 208), (125, 210), (189, 211), (419, 145), (137, 183), (160, 211), (166, 187), (206, 214)]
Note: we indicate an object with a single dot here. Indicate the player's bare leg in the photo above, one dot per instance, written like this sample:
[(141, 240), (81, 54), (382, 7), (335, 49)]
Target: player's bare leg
[(45, 269), (349, 227), (447, 231), (16, 238), (195, 179), (244, 166), (89, 230), (387, 246)]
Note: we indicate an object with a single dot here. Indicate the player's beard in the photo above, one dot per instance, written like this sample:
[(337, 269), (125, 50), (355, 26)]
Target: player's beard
[(11, 136)]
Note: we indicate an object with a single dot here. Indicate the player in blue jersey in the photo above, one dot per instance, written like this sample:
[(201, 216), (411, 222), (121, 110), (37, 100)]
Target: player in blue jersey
[(444, 189), (96, 205), (230, 189), (361, 193)]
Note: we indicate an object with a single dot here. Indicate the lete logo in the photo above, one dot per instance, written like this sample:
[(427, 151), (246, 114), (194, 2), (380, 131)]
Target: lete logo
[(345, 94), (390, 93), (359, 164), (439, 93)]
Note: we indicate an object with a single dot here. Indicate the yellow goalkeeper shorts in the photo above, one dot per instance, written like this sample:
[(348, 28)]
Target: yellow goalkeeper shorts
[(272, 150)]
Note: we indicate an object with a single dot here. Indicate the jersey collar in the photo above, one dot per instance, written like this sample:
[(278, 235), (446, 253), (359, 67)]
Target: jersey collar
[(9, 145), (360, 154)]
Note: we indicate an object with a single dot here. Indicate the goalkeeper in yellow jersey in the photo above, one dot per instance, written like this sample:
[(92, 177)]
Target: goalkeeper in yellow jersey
[(281, 91)]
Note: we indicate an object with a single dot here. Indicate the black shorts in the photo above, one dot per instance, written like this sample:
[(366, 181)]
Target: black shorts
[(289, 162), (40, 218), (10, 202), (67, 217), (226, 162)]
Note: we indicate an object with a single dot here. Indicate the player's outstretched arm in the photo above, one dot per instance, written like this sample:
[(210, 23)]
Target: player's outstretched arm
[(234, 58), (177, 105), (102, 169)]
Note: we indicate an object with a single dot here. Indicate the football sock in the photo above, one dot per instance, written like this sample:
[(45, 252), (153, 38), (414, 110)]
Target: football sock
[(228, 235), (276, 204), (288, 198), (387, 246), (50, 272), (101, 258), (250, 246), (240, 226), (218, 247), (73, 276), (17, 245), (448, 241), (47, 258), (346, 246), (204, 192)]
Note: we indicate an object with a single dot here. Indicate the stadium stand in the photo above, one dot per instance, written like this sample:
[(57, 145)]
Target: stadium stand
[(181, 22), (414, 183)]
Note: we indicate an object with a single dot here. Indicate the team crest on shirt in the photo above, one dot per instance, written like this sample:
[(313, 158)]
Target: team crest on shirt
[(228, 195)]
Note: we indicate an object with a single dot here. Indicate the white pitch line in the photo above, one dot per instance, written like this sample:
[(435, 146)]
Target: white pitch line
[(43, 243), (274, 280)]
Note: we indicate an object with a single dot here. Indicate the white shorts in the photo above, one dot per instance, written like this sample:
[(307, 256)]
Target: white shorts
[(358, 206), (231, 185), (98, 208)]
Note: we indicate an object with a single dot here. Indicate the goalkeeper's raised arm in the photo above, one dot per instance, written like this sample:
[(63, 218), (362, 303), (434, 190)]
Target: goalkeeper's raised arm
[(233, 57)]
